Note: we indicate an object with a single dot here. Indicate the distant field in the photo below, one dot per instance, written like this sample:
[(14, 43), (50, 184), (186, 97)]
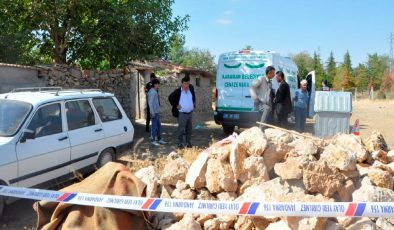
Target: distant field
[(375, 115)]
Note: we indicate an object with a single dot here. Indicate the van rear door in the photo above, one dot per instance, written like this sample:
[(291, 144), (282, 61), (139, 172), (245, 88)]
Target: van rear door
[(236, 72)]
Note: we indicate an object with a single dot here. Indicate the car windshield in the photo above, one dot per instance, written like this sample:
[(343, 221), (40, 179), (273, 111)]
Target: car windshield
[(12, 115)]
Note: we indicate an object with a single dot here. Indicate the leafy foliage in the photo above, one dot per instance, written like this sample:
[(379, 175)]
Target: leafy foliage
[(195, 57), (93, 33)]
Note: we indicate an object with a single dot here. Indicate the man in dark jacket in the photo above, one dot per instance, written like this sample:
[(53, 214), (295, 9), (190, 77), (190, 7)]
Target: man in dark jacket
[(183, 101), (148, 86), (282, 100)]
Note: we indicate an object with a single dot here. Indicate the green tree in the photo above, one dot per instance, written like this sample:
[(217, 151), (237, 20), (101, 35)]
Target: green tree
[(331, 69), (177, 49), (377, 65), (361, 76), (347, 63), (95, 33), (304, 63), (248, 47), (197, 58), (344, 75), (319, 70)]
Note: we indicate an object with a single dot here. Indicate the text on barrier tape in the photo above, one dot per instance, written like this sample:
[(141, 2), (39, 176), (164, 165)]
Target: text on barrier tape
[(307, 209)]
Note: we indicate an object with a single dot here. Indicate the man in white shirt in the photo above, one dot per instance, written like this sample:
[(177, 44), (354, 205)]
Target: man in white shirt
[(183, 99)]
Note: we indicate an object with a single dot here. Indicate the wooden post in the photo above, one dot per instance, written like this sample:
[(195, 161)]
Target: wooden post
[(355, 94)]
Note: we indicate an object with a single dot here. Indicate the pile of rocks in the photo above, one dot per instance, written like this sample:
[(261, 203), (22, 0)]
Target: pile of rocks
[(277, 166)]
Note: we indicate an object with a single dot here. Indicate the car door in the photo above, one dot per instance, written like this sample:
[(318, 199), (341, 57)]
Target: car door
[(85, 132), (118, 132), (47, 155)]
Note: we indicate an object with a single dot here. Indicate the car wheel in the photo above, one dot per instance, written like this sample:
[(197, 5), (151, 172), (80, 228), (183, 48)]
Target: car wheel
[(107, 155), (228, 130)]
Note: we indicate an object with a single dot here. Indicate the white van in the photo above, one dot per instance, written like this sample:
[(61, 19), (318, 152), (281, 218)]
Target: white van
[(236, 72), (52, 133)]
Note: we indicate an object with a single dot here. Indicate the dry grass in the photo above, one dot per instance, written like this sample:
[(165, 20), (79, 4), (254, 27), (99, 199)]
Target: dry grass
[(136, 162)]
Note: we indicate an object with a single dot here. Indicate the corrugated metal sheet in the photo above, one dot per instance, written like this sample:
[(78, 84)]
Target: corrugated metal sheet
[(339, 102), (330, 123)]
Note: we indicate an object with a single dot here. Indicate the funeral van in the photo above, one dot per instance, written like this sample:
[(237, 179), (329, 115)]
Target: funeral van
[(236, 73), (48, 134)]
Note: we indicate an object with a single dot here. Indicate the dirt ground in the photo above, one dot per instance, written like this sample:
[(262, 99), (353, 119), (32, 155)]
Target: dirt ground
[(373, 115)]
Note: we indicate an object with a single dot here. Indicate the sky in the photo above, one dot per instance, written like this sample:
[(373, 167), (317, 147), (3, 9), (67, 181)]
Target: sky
[(290, 26)]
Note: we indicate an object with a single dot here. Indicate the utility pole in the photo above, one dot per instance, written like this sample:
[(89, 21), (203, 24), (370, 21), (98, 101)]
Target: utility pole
[(391, 52)]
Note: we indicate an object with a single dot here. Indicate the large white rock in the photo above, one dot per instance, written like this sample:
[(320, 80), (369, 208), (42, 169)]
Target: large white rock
[(304, 222), (173, 171), (187, 222), (236, 161), (204, 194), (275, 154), (227, 196), (195, 176), (254, 169), (381, 178), (339, 157), (345, 193), (305, 146), (151, 179), (376, 142), (323, 178), (385, 223), (220, 177), (212, 224), (183, 192), (269, 191), (252, 142), (278, 136), (352, 144), (291, 168), (362, 224), (369, 193), (280, 225)]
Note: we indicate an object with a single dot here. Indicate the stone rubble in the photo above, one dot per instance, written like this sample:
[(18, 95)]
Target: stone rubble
[(276, 166)]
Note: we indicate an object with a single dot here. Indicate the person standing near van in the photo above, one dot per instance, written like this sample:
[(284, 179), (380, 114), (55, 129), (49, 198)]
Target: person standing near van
[(260, 91), (282, 100), (148, 86), (154, 109), (301, 106), (183, 100)]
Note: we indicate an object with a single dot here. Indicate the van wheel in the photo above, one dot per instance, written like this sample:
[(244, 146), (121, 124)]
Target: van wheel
[(107, 155), (228, 130)]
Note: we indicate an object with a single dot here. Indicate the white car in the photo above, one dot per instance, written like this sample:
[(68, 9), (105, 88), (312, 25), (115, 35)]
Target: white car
[(50, 134)]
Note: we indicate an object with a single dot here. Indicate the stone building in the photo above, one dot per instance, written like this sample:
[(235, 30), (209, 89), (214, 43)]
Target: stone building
[(126, 84)]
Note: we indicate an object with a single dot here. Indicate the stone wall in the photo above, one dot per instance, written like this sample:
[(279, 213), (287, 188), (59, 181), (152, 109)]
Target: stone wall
[(126, 84), (18, 76), (120, 82)]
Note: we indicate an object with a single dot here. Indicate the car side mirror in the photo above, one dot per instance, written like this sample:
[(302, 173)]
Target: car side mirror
[(27, 134)]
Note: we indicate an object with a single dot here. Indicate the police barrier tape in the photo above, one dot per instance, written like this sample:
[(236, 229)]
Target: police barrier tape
[(255, 208)]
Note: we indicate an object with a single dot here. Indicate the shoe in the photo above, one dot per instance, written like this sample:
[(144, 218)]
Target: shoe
[(189, 145), (155, 143), (162, 142), (180, 146)]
